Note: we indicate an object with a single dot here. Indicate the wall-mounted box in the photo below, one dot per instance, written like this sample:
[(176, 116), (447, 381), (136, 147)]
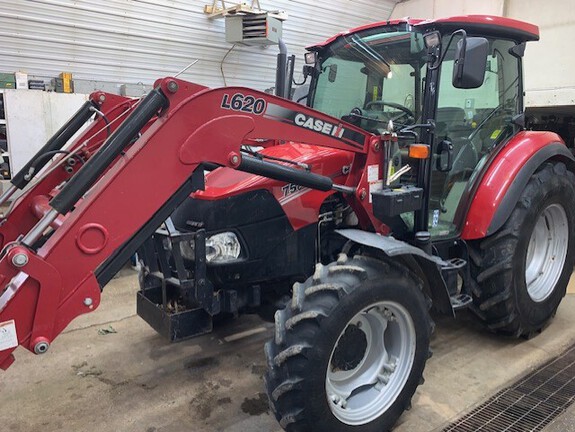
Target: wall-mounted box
[(21, 80), (67, 83), (7, 81), (253, 29), (36, 85), (59, 87)]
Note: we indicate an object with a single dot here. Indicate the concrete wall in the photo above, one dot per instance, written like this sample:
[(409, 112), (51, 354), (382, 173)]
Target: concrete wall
[(441, 8), (549, 63), (32, 117)]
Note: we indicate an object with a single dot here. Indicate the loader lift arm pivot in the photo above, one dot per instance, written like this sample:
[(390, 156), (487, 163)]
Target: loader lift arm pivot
[(105, 212)]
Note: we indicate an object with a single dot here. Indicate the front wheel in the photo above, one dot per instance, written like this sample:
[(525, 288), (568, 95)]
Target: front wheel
[(350, 349)]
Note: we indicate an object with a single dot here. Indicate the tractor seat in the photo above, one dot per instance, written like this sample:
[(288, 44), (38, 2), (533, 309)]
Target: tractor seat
[(452, 116)]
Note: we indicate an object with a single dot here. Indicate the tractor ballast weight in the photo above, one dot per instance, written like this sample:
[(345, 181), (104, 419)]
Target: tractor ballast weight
[(349, 226)]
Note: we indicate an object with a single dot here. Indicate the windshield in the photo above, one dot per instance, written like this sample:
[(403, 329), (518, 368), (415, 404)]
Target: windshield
[(380, 71)]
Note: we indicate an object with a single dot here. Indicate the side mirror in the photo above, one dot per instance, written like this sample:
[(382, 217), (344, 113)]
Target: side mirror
[(444, 161), (470, 61)]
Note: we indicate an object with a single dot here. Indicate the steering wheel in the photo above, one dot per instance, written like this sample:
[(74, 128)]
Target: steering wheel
[(404, 110)]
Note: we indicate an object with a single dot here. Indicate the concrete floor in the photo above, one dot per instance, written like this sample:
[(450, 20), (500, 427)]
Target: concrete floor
[(134, 380)]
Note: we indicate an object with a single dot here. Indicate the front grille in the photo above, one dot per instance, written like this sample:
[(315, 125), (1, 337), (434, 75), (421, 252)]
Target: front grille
[(529, 404)]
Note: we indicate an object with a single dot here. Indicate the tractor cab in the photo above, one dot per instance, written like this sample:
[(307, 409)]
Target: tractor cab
[(430, 82)]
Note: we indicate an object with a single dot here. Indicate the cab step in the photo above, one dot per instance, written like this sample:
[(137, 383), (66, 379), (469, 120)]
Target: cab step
[(460, 301)]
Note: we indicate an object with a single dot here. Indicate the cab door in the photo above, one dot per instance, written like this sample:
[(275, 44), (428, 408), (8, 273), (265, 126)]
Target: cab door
[(472, 122)]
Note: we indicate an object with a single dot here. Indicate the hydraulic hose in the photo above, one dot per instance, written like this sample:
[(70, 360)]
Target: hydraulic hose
[(58, 140)]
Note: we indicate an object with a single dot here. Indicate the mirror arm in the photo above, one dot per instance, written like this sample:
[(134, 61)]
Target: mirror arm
[(305, 75), (442, 56), (300, 83)]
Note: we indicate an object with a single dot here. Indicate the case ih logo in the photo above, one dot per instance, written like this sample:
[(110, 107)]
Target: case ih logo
[(319, 125), (350, 137)]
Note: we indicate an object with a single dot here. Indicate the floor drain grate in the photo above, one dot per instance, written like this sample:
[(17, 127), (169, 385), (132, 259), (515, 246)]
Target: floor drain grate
[(528, 405)]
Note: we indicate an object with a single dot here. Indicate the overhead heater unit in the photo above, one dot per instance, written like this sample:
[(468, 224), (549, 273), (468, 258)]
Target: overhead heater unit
[(253, 29)]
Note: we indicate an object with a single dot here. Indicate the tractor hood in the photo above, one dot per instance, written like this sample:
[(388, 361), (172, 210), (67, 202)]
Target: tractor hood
[(235, 198), (224, 182)]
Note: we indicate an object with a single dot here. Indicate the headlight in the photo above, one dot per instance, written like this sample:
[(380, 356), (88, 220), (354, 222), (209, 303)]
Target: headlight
[(219, 248), (222, 247)]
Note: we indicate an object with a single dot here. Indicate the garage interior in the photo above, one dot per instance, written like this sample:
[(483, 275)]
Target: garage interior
[(110, 370)]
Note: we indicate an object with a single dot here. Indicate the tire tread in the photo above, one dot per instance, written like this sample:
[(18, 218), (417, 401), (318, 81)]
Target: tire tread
[(492, 263), (312, 302)]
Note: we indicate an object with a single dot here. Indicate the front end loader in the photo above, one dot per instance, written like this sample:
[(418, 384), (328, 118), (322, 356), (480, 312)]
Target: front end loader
[(406, 181)]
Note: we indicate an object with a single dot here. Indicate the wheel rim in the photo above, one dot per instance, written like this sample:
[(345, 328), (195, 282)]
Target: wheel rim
[(360, 388), (546, 252)]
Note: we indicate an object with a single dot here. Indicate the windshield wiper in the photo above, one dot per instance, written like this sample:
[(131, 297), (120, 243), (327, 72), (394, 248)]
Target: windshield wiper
[(372, 56)]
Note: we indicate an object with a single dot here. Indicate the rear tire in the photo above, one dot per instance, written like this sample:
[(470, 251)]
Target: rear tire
[(349, 349), (522, 271)]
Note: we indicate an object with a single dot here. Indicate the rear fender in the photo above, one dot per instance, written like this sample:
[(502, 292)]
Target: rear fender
[(427, 267), (506, 178)]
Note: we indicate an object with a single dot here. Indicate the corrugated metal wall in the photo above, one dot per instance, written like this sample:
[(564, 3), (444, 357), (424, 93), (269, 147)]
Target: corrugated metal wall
[(131, 41)]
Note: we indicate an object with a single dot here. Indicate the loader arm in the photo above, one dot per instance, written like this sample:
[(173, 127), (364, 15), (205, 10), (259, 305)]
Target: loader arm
[(36, 187), (53, 272), (24, 211)]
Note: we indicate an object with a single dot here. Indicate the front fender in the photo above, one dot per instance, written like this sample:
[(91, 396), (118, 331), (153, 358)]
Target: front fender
[(429, 266), (506, 177)]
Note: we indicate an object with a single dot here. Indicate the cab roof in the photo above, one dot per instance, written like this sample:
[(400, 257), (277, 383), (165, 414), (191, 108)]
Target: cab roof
[(477, 25)]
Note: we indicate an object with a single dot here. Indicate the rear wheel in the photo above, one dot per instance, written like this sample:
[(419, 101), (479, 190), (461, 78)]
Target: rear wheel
[(350, 348), (522, 271)]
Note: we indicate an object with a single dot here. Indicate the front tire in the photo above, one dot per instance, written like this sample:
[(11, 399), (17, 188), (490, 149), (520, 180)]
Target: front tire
[(522, 271), (350, 349)]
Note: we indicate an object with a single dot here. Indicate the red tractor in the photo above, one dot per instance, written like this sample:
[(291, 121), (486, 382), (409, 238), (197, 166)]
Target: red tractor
[(402, 178)]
